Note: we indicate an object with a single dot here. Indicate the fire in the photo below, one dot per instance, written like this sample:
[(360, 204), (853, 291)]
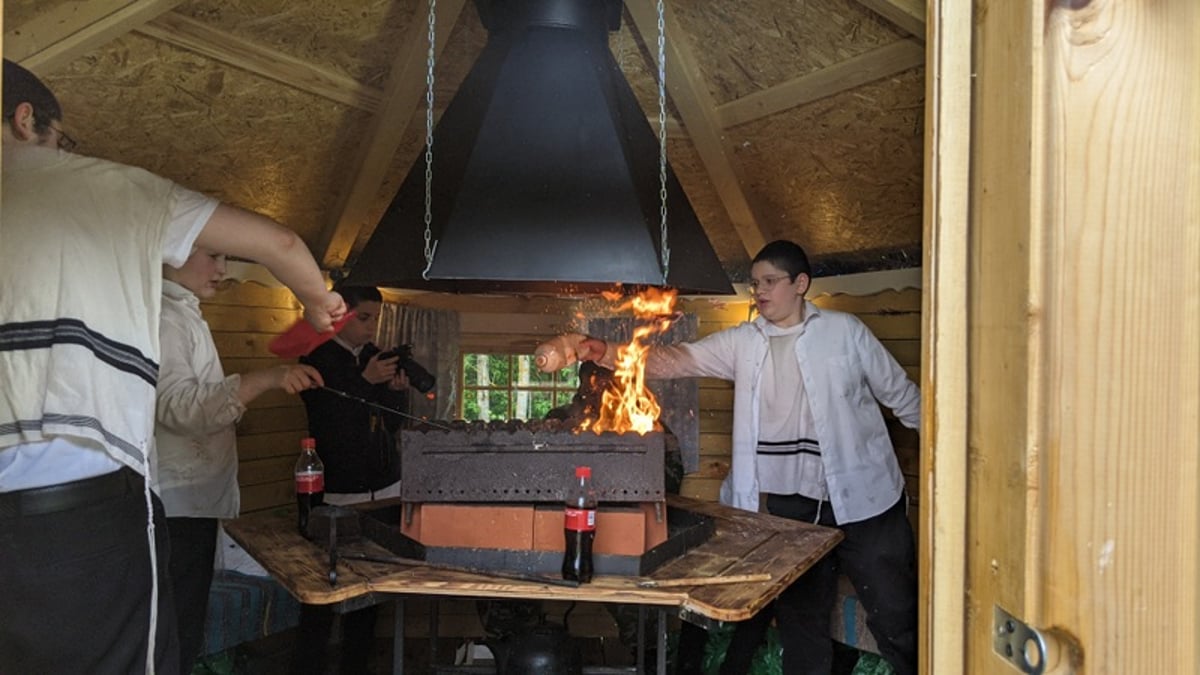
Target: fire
[(627, 404)]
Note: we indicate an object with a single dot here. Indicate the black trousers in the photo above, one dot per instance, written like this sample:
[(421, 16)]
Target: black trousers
[(193, 550), (76, 585), (312, 640), (879, 557)]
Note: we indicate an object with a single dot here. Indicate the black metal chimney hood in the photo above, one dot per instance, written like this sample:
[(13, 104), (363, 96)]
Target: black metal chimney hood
[(545, 173)]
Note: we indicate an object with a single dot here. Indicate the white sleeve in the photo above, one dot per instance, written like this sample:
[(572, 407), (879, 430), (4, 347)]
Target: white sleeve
[(190, 212)]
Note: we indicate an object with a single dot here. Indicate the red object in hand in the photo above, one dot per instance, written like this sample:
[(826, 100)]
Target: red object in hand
[(302, 338)]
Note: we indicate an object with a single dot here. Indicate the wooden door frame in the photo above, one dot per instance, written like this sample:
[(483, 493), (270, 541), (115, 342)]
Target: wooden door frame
[(943, 518), (1061, 344)]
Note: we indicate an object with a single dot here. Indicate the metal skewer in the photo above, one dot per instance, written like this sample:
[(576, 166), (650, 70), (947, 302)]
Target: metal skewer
[(704, 581), (384, 408)]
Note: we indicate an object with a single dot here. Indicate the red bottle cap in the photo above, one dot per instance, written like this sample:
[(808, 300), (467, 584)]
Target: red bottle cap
[(583, 472), (308, 444)]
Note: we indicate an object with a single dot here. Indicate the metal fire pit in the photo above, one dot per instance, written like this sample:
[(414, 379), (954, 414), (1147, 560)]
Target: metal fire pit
[(527, 462)]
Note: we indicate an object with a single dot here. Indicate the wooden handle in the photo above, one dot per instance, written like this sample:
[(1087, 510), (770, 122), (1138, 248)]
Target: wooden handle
[(704, 581)]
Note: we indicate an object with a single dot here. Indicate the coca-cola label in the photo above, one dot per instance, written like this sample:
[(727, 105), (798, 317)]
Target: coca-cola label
[(310, 483), (580, 520)]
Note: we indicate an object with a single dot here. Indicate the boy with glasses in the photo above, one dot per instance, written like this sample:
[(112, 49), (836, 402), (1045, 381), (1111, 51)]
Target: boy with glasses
[(808, 432)]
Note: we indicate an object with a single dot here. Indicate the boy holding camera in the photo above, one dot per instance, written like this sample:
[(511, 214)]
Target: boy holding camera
[(357, 444)]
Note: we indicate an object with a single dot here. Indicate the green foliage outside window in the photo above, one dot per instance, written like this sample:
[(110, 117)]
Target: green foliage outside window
[(509, 386)]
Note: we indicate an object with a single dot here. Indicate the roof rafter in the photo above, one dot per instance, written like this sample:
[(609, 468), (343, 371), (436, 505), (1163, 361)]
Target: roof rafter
[(187, 33), (873, 65), (909, 15), (74, 28), (698, 110), (405, 88)]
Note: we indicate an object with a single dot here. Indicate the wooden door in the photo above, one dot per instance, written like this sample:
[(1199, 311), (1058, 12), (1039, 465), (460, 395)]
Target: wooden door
[(1061, 434)]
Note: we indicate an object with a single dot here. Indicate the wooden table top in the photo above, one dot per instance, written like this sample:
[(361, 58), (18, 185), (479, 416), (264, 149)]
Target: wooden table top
[(742, 543)]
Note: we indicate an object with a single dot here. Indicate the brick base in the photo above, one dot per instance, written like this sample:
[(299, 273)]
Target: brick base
[(629, 530)]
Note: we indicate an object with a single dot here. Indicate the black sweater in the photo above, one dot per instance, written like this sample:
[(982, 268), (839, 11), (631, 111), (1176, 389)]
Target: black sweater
[(355, 441)]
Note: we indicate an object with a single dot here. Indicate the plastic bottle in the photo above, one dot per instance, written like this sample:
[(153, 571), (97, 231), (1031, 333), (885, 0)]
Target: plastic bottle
[(579, 527), (558, 352), (310, 482)]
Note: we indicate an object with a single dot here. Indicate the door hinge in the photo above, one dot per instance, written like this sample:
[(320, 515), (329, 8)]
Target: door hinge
[(1030, 650)]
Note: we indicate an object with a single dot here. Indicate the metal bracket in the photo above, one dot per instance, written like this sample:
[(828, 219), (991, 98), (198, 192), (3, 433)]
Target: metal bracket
[(1022, 645)]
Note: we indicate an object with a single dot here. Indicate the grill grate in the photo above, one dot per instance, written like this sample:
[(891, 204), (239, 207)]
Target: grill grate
[(527, 462)]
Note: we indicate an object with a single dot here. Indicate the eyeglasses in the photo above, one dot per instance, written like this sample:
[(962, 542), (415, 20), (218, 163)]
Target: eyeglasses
[(65, 142), (767, 283)]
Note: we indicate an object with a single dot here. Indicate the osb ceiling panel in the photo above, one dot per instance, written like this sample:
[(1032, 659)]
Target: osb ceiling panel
[(216, 129), (842, 174), (354, 37), (751, 45)]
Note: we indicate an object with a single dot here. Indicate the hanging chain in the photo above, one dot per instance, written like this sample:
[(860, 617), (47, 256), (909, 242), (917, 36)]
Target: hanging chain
[(662, 139), (430, 245)]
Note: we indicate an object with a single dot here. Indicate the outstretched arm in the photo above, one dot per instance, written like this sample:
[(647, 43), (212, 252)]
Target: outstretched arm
[(291, 378), (249, 235)]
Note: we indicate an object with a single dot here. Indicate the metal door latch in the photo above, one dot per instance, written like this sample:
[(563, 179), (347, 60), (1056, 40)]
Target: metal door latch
[(1030, 650)]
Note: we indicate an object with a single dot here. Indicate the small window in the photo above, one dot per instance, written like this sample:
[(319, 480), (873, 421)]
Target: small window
[(510, 387)]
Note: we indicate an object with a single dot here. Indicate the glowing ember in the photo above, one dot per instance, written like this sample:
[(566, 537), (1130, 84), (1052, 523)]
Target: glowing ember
[(627, 404)]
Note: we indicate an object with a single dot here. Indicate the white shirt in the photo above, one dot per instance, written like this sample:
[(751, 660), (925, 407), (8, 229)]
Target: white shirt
[(197, 409), (83, 244), (847, 373), (789, 455)]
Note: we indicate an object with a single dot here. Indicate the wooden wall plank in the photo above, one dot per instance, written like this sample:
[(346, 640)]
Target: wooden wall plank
[(269, 495), (239, 344), (270, 420), (229, 318), (273, 444)]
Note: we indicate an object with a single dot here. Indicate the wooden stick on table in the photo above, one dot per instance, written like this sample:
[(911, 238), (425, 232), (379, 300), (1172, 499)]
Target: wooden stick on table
[(704, 581)]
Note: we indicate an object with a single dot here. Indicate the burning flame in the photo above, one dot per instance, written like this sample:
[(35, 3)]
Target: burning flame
[(627, 405)]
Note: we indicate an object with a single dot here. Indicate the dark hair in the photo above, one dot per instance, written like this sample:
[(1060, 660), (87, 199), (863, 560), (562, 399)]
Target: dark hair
[(22, 86), (787, 256), (355, 295)]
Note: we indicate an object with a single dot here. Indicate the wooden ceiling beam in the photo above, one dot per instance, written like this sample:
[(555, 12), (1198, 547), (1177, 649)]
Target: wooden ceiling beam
[(695, 104), (908, 15), (853, 72), (195, 36), (71, 29), (405, 89)]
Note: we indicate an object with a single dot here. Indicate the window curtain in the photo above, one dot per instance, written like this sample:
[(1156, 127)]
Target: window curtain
[(434, 336), (679, 399)]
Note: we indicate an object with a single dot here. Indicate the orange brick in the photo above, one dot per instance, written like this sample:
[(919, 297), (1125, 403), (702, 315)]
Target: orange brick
[(548, 528), (493, 526), (620, 530)]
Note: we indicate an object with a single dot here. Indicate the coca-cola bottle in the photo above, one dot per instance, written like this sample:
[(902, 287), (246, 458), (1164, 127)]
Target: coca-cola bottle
[(310, 481), (579, 527)]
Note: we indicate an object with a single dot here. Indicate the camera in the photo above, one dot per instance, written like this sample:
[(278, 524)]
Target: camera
[(418, 377)]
